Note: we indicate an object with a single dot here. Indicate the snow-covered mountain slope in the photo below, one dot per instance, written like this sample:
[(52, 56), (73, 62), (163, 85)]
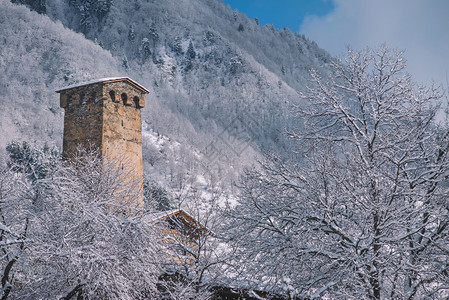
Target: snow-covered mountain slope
[(222, 87), (38, 56)]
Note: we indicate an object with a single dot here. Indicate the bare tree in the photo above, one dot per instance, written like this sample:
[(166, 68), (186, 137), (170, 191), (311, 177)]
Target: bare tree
[(365, 213), (79, 233), (15, 198), (84, 240)]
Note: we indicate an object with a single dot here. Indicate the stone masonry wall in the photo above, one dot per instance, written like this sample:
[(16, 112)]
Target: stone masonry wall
[(83, 120), (106, 116)]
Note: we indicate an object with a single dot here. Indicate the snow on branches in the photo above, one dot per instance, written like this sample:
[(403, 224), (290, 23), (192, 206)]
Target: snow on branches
[(365, 214), (67, 236)]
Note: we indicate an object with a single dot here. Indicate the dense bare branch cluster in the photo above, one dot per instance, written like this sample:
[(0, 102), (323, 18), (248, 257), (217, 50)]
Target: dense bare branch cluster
[(365, 213), (72, 237), (77, 233)]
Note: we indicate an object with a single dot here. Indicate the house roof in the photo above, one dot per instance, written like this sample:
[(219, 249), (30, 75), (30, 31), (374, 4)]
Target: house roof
[(106, 80), (180, 214), (153, 217)]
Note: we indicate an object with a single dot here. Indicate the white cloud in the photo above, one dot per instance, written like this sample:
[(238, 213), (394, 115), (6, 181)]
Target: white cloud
[(420, 27)]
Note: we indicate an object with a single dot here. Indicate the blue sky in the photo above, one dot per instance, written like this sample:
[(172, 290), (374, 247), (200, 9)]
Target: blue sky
[(420, 27), (282, 13)]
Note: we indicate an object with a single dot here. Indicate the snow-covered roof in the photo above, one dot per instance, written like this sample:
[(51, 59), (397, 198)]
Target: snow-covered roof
[(150, 218), (186, 217), (105, 80)]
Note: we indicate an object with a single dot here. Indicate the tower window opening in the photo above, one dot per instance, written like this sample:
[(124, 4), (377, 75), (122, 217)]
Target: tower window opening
[(112, 95), (136, 101), (125, 98)]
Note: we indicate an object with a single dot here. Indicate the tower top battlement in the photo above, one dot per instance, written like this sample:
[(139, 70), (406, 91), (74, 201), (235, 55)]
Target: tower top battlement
[(104, 88)]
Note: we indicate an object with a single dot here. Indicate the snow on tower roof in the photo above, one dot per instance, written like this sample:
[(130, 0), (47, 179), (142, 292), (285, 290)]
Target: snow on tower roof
[(105, 80)]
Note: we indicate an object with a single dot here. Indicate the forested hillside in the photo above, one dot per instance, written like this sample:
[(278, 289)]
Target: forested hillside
[(37, 56), (219, 81)]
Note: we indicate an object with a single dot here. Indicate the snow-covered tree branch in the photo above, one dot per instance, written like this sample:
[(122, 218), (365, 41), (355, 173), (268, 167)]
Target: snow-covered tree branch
[(68, 235), (365, 213)]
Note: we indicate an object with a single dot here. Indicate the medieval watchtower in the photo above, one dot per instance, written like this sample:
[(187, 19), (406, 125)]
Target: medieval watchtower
[(105, 115)]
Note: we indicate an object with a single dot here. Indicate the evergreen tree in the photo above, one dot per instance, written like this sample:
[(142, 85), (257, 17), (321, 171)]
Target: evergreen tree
[(103, 7), (177, 45), (145, 49), (36, 5), (155, 196), (33, 161), (125, 63), (154, 35), (131, 34), (191, 54), (85, 10)]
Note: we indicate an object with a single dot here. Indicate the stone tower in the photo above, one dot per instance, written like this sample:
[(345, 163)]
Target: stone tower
[(105, 115)]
